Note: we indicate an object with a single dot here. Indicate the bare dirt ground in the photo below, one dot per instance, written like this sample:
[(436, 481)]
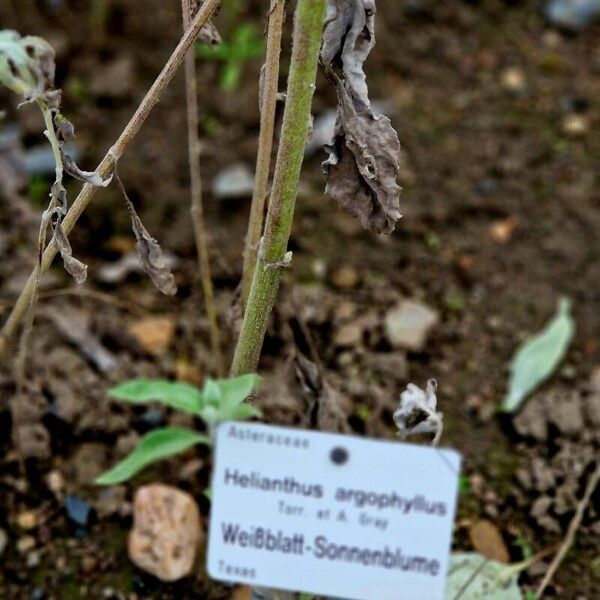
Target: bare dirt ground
[(498, 116)]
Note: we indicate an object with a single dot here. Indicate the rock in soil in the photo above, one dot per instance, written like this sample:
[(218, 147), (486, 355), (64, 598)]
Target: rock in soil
[(154, 334), (408, 325), (487, 540), (166, 531)]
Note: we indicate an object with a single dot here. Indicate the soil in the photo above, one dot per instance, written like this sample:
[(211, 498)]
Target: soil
[(498, 115)]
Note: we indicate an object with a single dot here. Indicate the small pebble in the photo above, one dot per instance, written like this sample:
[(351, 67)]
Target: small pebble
[(55, 482), (78, 510), (513, 79), (345, 278), (27, 520), (25, 544), (33, 559), (575, 125), (38, 594)]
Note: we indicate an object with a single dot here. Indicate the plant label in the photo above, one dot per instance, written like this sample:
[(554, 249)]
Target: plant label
[(331, 514)]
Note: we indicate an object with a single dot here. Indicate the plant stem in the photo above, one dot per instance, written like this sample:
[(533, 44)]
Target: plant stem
[(265, 144), (21, 358), (308, 25), (197, 209), (106, 165), (591, 486)]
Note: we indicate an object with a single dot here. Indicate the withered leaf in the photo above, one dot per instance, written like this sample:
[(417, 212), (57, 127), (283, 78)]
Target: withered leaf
[(362, 167), (74, 267), (91, 177), (324, 403), (149, 251), (208, 34), (348, 38), (64, 128)]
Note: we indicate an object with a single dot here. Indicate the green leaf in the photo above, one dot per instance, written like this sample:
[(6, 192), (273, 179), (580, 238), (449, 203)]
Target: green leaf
[(156, 445), (224, 399), (471, 576), (539, 356), (174, 394), (235, 391)]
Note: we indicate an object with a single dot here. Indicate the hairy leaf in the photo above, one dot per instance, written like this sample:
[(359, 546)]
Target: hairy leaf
[(73, 267), (149, 251), (154, 446), (174, 394), (26, 64), (224, 399), (235, 390), (471, 576), (538, 357), (362, 167)]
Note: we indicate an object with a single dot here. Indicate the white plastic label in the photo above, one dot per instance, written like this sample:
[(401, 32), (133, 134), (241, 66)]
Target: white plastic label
[(330, 514)]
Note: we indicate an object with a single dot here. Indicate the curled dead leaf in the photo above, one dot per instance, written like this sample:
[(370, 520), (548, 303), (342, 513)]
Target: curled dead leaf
[(208, 34), (362, 168), (325, 404), (91, 177), (64, 128), (74, 267), (148, 250)]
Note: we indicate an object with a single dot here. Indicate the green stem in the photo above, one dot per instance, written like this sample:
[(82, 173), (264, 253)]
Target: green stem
[(308, 25)]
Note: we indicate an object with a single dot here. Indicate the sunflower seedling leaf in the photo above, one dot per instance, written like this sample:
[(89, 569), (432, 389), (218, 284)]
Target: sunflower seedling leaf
[(154, 446)]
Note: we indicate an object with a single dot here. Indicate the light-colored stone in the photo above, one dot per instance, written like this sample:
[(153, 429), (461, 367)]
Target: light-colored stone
[(166, 531), (345, 277), (513, 79), (154, 334), (236, 181), (348, 335), (408, 325), (575, 125)]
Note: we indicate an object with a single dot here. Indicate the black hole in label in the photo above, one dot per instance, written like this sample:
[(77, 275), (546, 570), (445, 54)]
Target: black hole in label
[(339, 455)]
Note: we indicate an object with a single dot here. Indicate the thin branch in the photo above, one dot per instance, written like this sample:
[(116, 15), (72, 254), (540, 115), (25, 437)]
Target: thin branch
[(105, 166), (571, 532), (20, 365), (265, 144), (273, 255), (197, 209)]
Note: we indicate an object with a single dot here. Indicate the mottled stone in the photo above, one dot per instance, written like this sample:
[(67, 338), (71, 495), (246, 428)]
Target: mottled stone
[(166, 531)]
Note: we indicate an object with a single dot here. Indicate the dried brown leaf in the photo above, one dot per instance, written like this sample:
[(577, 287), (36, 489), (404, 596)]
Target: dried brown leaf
[(348, 38), (74, 267), (64, 128), (324, 402), (91, 177), (362, 167), (208, 34), (149, 251)]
